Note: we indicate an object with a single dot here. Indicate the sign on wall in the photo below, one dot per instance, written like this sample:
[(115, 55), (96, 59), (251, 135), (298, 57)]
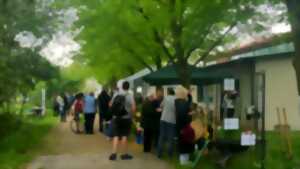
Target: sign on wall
[(231, 123), (248, 139), (229, 84)]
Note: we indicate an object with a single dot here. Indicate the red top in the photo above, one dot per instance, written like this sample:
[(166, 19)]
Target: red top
[(187, 134), (78, 106)]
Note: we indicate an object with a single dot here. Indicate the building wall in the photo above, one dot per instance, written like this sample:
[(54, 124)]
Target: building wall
[(281, 91), (244, 72)]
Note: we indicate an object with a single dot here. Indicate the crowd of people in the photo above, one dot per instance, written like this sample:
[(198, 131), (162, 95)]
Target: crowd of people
[(166, 121)]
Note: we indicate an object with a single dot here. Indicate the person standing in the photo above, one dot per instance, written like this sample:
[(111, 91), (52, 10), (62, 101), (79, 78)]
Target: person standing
[(148, 116), (66, 104), (56, 106), (229, 104), (78, 109), (90, 108), (121, 122), (167, 124), (186, 143), (156, 120), (183, 118), (182, 108), (190, 97), (61, 105), (103, 103)]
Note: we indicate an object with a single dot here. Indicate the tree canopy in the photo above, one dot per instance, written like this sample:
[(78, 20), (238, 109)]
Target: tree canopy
[(21, 68), (121, 37)]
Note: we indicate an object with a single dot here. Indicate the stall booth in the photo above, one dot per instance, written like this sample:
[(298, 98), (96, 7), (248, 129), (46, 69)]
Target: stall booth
[(211, 82), (206, 87), (264, 80), (237, 83), (167, 77)]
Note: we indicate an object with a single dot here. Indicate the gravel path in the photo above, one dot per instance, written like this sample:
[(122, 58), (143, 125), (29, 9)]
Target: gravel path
[(65, 150)]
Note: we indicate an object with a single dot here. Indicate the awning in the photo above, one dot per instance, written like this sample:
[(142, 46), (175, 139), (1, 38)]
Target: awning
[(168, 76)]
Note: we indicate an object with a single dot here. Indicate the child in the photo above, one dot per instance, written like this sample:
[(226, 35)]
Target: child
[(78, 106), (108, 129), (186, 144), (202, 130)]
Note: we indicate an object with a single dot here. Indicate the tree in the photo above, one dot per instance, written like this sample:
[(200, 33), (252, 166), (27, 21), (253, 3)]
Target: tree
[(143, 33), (294, 15), (21, 68), (21, 72)]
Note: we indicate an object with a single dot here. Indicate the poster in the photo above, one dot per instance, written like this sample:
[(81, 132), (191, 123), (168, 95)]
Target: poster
[(248, 139), (231, 123), (229, 85)]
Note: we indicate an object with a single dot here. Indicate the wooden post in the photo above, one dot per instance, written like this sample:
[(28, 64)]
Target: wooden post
[(278, 116), (281, 129), (287, 134)]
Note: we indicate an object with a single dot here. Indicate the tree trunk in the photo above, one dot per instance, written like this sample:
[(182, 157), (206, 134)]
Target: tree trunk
[(183, 73), (7, 106), (181, 62), (21, 111), (294, 17), (158, 62)]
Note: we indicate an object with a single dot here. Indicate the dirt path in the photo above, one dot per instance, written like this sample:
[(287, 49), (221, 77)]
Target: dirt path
[(65, 150)]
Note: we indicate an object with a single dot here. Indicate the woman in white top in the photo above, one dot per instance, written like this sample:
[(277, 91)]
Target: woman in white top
[(167, 124)]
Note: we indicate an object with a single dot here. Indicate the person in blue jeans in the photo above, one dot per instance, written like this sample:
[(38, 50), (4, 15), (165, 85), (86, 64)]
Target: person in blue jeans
[(167, 124), (89, 108)]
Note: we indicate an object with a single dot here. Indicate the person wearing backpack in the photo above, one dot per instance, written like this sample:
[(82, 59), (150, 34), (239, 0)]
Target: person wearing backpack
[(122, 107)]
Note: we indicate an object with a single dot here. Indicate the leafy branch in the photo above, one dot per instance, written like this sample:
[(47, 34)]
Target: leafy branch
[(215, 44)]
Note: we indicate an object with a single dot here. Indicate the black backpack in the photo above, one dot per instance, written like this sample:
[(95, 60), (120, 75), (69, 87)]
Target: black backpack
[(118, 106)]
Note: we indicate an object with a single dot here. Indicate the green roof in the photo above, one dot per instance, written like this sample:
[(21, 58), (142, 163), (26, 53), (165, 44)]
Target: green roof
[(218, 71), (269, 51), (168, 76)]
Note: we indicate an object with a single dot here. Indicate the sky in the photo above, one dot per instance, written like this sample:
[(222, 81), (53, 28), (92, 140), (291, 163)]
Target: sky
[(62, 47)]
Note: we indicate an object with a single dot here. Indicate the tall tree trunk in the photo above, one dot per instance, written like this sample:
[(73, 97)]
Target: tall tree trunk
[(294, 16), (21, 111), (7, 106), (181, 62), (158, 62), (184, 73)]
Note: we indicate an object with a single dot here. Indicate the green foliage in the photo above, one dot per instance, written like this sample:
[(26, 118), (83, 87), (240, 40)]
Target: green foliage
[(19, 146), (124, 36), (276, 158), (58, 86), (22, 68), (8, 124), (21, 72)]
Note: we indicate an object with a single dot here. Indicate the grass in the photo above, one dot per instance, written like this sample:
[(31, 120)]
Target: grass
[(275, 158), (20, 146)]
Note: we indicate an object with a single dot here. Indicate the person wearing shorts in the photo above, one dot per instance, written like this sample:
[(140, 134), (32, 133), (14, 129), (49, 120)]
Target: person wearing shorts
[(122, 125)]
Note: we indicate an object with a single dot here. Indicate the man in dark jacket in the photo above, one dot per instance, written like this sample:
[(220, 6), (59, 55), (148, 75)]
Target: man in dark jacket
[(148, 116), (103, 103)]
